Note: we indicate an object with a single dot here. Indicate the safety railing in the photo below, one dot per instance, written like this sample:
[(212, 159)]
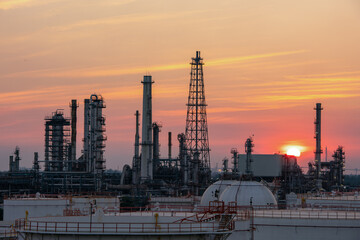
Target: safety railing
[(113, 227), (175, 210), (296, 214), (348, 196), (8, 234)]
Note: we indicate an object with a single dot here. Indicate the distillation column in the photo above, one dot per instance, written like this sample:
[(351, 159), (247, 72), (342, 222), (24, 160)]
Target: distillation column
[(248, 150), (146, 144), (56, 139), (97, 138), (94, 138)]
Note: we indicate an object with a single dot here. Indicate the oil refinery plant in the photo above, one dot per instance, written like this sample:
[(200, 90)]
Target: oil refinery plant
[(188, 173), (259, 196)]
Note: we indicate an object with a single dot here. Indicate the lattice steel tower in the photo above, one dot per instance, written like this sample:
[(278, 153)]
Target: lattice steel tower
[(196, 133)]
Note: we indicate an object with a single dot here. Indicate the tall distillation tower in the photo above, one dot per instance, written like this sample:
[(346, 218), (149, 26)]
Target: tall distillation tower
[(196, 133), (94, 138), (146, 144), (56, 141)]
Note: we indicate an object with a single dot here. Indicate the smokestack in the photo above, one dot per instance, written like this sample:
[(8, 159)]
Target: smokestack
[(146, 150), (137, 137), (86, 133), (169, 145), (74, 107), (318, 151), (136, 162)]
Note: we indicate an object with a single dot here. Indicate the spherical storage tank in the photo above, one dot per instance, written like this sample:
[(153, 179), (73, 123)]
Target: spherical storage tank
[(242, 191), (213, 192)]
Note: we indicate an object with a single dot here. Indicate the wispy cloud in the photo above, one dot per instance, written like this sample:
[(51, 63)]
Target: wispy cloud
[(235, 60), (106, 71), (291, 91), (124, 19), (59, 95), (10, 4), (297, 89)]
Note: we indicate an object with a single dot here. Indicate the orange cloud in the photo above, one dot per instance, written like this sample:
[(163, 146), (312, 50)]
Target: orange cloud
[(10, 4), (234, 60), (117, 70), (124, 19)]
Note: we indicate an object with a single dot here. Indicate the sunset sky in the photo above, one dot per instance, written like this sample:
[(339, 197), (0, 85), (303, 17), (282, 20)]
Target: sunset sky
[(267, 63)]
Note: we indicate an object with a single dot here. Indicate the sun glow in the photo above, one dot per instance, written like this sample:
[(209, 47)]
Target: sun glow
[(293, 151)]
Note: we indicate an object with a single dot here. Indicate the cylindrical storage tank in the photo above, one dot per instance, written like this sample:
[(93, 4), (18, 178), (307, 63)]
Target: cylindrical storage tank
[(242, 192)]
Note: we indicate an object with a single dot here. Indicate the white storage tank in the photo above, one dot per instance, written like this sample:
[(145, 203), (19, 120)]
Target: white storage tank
[(213, 192), (242, 192)]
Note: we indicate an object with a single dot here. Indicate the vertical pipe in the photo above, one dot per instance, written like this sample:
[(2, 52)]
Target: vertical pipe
[(11, 163), (326, 154), (146, 151), (73, 129), (156, 141), (47, 139), (86, 134), (197, 101), (318, 139), (195, 173), (136, 163), (169, 146), (137, 137), (92, 129), (36, 161), (186, 173), (17, 159)]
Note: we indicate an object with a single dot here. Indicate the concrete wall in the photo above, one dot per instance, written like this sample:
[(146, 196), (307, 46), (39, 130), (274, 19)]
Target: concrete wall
[(14, 209)]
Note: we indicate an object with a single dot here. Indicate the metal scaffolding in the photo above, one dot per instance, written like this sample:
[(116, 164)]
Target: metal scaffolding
[(57, 133), (196, 132)]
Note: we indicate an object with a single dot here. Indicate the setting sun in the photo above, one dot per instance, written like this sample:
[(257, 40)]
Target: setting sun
[(293, 151)]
